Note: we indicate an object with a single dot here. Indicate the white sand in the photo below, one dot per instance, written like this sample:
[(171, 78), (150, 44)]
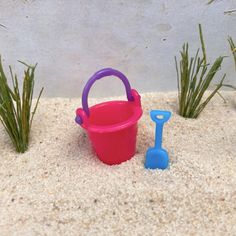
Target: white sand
[(59, 187)]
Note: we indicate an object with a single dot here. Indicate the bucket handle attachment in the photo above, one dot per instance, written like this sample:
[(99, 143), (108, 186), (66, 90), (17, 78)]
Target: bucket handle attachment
[(98, 75)]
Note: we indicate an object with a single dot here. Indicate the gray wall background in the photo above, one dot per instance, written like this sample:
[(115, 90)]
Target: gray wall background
[(72, 39)]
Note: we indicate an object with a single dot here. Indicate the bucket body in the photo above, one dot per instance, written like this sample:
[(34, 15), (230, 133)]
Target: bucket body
[(112, 127), (115, 147), (113, 130)]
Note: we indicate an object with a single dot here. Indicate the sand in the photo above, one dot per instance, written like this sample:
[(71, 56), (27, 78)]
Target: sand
[(59, 187)]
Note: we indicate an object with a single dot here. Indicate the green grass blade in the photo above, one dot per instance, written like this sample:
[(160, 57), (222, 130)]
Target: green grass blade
[(233, 49), (203, 44), (206, 82), (229, 86), (203, 105), (178, 81), (36, 106)]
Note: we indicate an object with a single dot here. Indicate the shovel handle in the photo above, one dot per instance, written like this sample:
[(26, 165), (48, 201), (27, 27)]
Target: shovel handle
[(160, 117)]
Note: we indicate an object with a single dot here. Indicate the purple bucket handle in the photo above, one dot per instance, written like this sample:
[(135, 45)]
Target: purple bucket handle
[(98, 75)]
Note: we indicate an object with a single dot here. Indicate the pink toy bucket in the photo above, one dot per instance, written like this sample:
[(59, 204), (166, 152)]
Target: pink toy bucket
[(111, 126)]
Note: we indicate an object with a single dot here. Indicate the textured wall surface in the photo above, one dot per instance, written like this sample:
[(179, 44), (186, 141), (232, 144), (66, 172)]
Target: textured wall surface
[(72, 39)]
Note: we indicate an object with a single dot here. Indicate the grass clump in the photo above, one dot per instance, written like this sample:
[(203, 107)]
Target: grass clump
[(15, 108), (194, 76)]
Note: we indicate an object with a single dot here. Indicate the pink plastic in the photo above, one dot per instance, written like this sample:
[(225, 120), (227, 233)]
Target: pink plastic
[(112, 128)]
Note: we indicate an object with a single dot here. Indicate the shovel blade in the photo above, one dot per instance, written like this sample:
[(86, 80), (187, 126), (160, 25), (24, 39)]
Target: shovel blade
[(156, 159)]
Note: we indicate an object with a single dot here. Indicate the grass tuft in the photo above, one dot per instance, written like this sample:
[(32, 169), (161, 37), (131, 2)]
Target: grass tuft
[(194, 78), (15, 108)]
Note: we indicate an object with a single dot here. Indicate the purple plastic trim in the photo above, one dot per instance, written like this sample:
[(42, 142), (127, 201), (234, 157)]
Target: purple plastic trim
[(98, 75), (78, 120)]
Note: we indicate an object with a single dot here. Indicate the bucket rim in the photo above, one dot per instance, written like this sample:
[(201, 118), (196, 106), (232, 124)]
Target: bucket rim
[(118, 126)]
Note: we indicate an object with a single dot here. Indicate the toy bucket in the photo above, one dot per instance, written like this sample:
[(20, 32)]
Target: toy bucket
[(111, 126)]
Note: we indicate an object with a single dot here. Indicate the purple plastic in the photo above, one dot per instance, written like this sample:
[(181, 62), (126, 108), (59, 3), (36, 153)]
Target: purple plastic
[(98, 75)]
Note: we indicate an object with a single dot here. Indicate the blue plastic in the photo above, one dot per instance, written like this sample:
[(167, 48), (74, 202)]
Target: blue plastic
[(157, 157)]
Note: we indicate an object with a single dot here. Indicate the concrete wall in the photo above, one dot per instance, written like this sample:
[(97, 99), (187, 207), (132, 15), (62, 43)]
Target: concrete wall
[(72, 39)]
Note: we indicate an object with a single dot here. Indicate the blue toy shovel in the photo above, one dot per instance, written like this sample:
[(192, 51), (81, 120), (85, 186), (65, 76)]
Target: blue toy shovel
[(157, 157)]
